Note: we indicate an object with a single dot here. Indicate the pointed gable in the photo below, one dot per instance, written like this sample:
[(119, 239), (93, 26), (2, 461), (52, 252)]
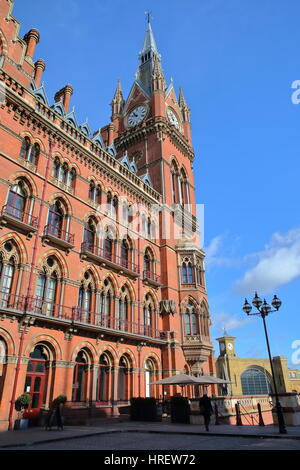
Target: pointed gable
[(41, 94), (84, 128), (71, 118), (97, 138), (59, 108)]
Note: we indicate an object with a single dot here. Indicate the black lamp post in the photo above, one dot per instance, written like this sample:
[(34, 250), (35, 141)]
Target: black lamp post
[(263, 309)]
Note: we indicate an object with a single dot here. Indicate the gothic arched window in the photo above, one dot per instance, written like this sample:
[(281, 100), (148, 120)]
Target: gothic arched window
[(47, 287), (34, 154), (80, 378), (16, 202), (25, 148)]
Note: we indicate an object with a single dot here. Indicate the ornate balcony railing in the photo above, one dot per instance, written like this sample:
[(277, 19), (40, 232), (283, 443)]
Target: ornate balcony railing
[(106, 321), (52, 311), (57, 232), (11, 301), (19, 215), (106, 255), (151, 276)]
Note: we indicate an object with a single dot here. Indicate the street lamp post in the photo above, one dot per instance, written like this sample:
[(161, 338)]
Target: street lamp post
[(263, 309)]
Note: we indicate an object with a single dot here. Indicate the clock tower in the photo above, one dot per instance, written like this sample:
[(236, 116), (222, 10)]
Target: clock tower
[(151, 129), (226, 345)]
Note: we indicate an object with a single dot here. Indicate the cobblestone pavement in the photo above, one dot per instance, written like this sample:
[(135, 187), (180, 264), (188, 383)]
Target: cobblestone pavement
[(180, 442)]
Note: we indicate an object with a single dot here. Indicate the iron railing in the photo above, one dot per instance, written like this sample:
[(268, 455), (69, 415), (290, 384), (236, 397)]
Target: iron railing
[(109, 256), (19, 215), (59, 233), (147, 274), (48, 309)]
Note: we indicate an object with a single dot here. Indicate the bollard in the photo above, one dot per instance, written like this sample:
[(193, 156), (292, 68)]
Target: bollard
[(238, 415), (261, 421)]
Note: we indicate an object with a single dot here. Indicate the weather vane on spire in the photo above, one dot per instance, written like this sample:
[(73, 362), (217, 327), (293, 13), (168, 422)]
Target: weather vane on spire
[(148, 13)]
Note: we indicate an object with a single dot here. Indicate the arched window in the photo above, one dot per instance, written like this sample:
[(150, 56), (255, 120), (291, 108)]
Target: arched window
[(187, 324), (98, 194), (106, 309), (85, 298), (184, 188), (25, 148), (148, 315), (123, 379), (80, 377), (191, 320), (108, 248), (46, 288), (143, 226), (104, 379), (90, 235), (149, 376), (147, 265), (71, 178), (125, 213), (65, 173), (16, 202), (187, 272), (149, 228), (7, 277), (194, 323), (123, 310), (175, 182), (92, 191), (56, 219), (124, 254), (34, 154), (255, 382), (56, 168)]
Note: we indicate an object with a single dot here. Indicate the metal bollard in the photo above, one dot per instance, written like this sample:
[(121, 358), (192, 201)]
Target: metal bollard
[(238, 415), (261, 421)]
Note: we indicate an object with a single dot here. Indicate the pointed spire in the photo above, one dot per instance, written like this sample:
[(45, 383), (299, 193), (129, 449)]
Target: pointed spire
[(158, 79), (147, 57), (183, 106), (149, 42), (181, 101), (118, 96), (118, 100)]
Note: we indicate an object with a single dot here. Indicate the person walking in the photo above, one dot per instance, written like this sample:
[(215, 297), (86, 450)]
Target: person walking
[(206, 409)]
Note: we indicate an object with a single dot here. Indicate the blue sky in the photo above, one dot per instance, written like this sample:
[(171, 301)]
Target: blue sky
[(236, 61)]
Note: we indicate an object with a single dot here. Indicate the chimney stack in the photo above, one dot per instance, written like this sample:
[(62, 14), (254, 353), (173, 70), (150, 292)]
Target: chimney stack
[(32, 38), (64, 95), (40, 67)]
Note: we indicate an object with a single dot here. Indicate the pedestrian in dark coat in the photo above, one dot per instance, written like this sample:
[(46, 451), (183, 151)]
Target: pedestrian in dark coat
[(206, 409)]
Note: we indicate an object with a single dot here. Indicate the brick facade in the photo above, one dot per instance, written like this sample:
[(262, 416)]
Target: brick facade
[(100, 290)]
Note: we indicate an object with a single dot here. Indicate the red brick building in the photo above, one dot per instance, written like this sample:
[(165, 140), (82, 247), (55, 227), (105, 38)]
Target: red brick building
[(101, 276)]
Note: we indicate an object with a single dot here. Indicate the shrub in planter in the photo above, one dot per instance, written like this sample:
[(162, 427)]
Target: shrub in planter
[(21, 404), (180, 410), (61, 399)]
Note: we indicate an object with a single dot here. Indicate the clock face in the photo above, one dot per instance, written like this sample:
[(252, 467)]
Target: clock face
[(230, 346), (136, 116), (173, 119), (222, 346)]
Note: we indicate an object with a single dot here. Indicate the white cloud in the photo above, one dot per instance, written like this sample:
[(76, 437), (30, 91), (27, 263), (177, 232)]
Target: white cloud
[(229, 322), (276, 265), (214, 253)]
